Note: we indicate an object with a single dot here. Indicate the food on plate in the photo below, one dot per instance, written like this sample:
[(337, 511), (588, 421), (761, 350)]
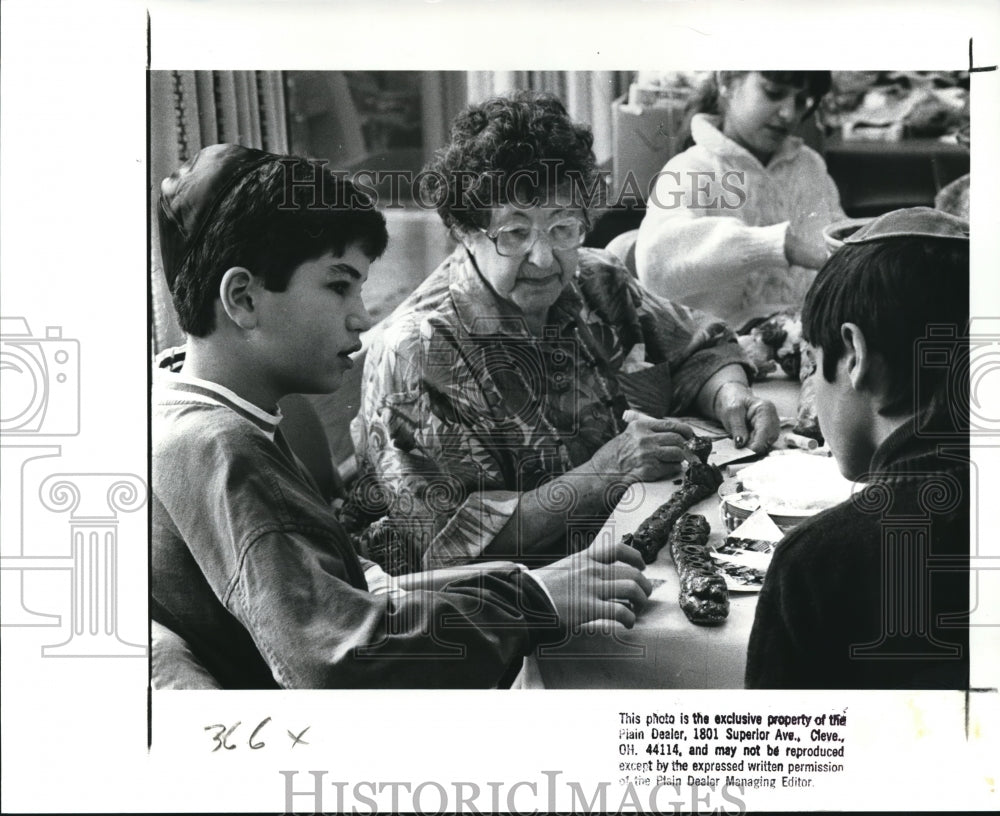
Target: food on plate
[(796, 483), (704, 597), (746, 553), (741, 578), (758, 533), (700, 481)]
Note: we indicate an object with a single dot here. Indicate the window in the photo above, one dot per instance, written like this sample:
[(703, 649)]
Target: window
[(374, 121)]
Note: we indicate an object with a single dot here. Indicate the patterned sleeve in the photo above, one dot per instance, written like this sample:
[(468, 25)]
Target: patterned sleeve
[(683, 249), (431, 488), (691, 344)]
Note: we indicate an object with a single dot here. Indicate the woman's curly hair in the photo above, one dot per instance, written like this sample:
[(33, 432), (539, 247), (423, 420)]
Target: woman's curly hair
[(517, 150)]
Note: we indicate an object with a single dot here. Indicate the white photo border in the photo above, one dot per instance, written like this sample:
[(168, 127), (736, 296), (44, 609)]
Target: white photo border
[(76, 732)]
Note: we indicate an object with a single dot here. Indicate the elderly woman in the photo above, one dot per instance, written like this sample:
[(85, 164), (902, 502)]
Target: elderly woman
[(527, 379)]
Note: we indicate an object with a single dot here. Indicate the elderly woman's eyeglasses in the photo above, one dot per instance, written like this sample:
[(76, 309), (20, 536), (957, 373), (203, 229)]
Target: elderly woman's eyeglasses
[(516, 239)]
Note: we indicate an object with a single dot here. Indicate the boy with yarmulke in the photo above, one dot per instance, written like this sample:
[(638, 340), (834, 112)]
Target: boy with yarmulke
[(874, 593)]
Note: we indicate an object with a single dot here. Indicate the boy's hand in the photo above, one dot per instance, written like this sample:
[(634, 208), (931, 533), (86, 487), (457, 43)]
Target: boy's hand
[(602, 582)]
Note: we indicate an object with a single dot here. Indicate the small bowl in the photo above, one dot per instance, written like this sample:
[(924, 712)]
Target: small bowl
[(737, 505), (835, 233)]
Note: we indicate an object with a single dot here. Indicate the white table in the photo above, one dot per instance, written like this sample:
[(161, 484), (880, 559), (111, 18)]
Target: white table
[(664, 649)]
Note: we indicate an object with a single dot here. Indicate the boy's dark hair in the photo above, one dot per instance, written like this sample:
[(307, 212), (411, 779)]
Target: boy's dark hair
[(894, 290), (513, 148), (265, 223)]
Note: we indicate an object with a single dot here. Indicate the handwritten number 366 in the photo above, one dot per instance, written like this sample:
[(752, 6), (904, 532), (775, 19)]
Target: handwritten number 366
[(223, 733)]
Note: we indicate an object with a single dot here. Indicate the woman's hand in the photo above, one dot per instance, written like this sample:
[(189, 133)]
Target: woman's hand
[(749, 419), (647, 450)]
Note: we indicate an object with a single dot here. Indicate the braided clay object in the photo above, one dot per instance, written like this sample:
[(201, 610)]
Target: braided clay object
[(700, 482), (703, 596), (700, 446)]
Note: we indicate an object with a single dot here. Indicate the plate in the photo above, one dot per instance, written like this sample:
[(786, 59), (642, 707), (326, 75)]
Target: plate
[(796, 484), (736, 506), (737, 579), (743, 570)]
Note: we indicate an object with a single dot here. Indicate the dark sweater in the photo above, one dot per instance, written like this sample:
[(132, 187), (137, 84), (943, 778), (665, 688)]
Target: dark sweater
[(874, 593)]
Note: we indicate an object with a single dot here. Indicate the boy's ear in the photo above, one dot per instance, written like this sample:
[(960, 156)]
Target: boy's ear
[(856, 358), (238, 293)]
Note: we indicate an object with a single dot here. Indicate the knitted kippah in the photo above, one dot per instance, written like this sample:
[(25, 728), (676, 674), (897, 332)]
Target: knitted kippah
[(189, 196), (913, 222)]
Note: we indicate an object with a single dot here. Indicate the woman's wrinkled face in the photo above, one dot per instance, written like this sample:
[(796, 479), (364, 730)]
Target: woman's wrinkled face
[(532, 278), (759, 114)]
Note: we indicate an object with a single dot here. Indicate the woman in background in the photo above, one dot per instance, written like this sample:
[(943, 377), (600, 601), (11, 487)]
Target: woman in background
[(734, 223)]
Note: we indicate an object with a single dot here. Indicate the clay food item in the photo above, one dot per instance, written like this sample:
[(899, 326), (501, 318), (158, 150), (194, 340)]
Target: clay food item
[(700, 482), (700, 446), (704, 597)]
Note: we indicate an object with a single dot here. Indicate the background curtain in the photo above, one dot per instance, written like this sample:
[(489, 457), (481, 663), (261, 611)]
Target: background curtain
[(189, 110), (444, 95), (192, 109), (587, 95)]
